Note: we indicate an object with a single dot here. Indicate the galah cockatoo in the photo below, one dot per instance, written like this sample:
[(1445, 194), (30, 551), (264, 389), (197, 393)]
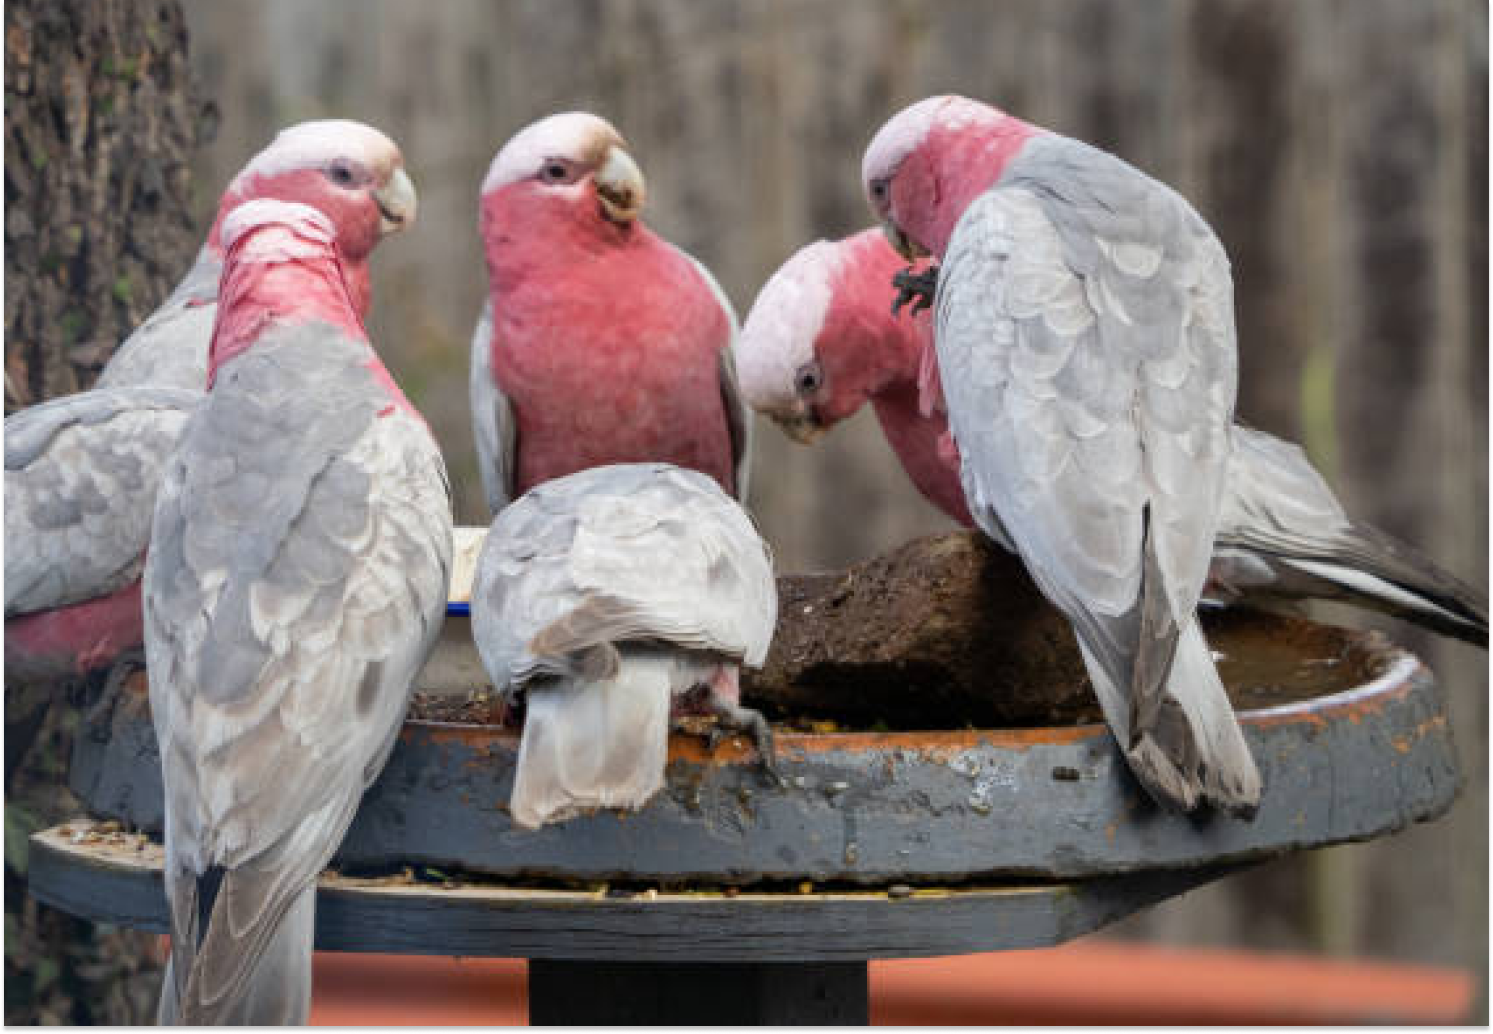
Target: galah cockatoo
[(600, 342), (80, 484), (296, 579), (612, 598), (81, 473), (350, 172), (1085, 345), (821, 341)]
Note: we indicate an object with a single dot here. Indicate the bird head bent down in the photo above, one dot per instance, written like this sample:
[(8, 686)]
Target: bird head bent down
[(820, 340), (929, 161)]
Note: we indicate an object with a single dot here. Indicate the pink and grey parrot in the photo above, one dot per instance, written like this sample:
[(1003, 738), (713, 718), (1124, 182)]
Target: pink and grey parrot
[(80, 484), (81, 472), (296, 580), (821, 341), (611, 599), (350, 172), (600, 342), (1085, 339)]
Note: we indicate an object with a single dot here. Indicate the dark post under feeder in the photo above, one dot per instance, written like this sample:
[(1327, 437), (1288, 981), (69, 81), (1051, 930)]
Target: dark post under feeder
[(732, 899)]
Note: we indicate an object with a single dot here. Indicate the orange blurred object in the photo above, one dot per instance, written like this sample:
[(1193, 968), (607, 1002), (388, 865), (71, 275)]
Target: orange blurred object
[(1089, 982)]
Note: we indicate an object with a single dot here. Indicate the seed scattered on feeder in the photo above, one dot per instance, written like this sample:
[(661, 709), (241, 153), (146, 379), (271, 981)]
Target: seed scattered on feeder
[(1065, 774), (899, 890)]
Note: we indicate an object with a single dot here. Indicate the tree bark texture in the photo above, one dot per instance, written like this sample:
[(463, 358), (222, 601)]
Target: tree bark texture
[(100, 127), (101, 123)]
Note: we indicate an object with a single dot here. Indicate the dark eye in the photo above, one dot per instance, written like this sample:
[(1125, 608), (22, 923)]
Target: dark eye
[(341, 173), (555, 171), (810, 378), (878, 190)]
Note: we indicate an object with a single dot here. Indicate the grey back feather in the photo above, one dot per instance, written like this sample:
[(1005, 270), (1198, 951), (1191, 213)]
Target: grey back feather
[(80, 486), (494, 426), (296, 580), (170, 347), (627, 553), (1084, 327)]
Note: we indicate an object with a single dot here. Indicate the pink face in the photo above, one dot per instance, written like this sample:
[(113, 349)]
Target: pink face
[(570, 169), (930, 161), (351, 173)]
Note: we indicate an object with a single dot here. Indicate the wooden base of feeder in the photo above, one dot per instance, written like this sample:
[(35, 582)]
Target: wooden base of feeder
[(607, 957)]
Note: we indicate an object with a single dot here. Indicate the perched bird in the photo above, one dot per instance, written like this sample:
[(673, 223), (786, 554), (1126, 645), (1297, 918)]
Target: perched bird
[(600, 342), (81, 472), (1086, 350), (612, 598), (348, 171), (821, 341), (80, 486), (296, 579)]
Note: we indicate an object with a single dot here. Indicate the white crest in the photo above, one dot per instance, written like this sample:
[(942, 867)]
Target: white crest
[(904, 131), (566, 135), (778, 336), (310, 145)]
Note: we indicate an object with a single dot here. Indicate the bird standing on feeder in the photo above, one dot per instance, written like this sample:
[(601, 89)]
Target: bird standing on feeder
[(81, 473), (295, 582), (613, 598), (821, 341), (1085, 341), (600, 342)]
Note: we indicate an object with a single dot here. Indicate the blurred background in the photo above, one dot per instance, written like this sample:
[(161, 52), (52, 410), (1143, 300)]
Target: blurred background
[(1339, 148)]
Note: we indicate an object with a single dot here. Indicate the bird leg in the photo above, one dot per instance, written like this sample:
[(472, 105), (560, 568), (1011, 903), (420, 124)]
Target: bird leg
[(724, 702), (918, 288)]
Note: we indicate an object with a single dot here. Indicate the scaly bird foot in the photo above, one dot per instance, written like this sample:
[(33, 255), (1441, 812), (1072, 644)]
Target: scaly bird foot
[(743, 719), (918, 288)]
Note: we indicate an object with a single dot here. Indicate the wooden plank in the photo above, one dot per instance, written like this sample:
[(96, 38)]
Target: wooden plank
[(116, 879)]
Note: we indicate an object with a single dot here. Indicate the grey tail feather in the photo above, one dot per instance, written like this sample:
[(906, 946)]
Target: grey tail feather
[(1455, 609), (1338, 561), (208, 885), (276, 990), (1193, 751)]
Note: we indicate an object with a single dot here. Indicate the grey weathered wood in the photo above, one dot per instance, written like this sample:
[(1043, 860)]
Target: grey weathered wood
[(1055, 803), (121, 885)]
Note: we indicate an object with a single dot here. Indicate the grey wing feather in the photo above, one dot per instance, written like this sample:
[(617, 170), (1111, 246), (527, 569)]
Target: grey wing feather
[(493, 424), (1287, 537), (1085, 331), (81, 474), (170, 347), (738, 413), (297, 578), (626, 553)]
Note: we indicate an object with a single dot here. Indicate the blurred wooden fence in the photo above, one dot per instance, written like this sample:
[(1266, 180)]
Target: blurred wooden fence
[(1339, 147)]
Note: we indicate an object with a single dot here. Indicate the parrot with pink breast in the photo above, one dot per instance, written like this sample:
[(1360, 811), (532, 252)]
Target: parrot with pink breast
[(1085, 341), (821, 341), (295, 582), (81, 472), (600, 342)]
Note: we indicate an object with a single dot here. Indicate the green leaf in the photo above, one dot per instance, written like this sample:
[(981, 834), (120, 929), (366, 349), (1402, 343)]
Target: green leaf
[(19, 824)]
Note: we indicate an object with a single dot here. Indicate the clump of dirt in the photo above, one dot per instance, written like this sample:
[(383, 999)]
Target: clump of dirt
[(479, 707), (946, 631)]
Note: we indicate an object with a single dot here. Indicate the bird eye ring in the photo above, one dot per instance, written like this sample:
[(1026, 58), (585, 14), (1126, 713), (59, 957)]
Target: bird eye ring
[(340, 173), (555, 171), (810, 378)]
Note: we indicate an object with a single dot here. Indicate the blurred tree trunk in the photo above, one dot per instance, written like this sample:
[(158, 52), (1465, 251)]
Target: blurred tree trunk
[(100, 129), (99, 133)]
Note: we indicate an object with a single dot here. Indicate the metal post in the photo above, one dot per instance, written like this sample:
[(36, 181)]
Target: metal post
[(698, 993)]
